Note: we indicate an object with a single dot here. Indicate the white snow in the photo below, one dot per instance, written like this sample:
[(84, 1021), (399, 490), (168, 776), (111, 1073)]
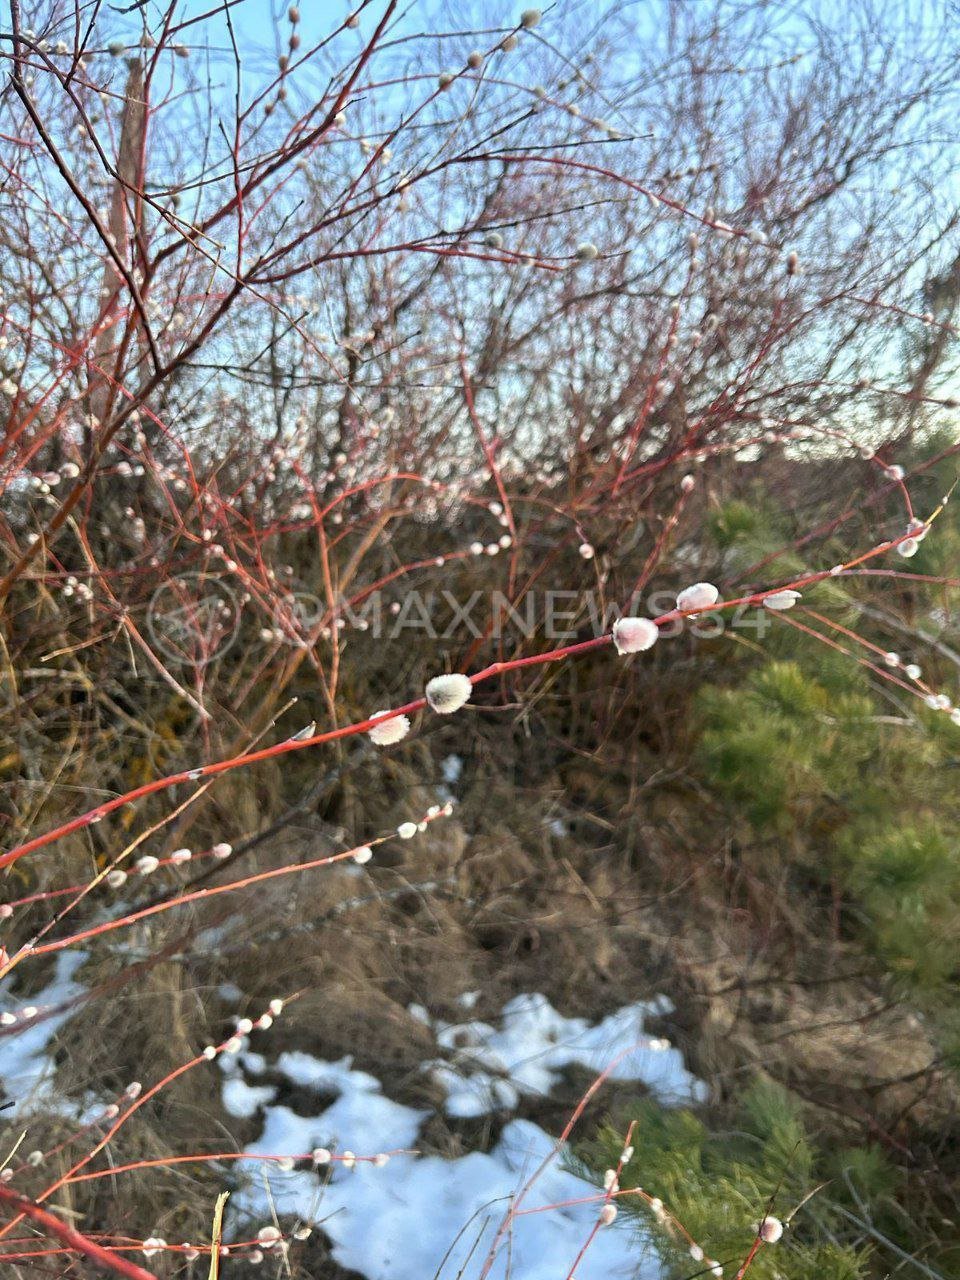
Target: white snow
[(451, 769), (26, 1069), (398, 1221), (492, 1068), (242, 1100)]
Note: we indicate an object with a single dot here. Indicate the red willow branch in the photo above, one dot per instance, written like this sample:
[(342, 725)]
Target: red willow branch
[(105, 1259), (410, 708)]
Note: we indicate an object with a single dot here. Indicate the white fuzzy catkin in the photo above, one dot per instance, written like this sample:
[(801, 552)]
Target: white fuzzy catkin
[(633, 635), (447, 694), (363, 854), (393, 730), (407, 830), (770, 1230), (780, 600), (700, 596), (608, 1214)]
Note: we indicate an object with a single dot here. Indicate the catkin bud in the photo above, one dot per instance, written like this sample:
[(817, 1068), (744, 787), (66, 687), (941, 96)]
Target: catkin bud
[(780, 600), (634, 635), (770, 1230), (447, 694), (700, 596), (392, 730)]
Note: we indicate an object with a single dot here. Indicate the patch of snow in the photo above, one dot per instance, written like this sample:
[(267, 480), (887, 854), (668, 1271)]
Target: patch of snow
[(26, 1068), (451, 769), (492, 1068), (398, 1222), (417, 1216), (242, 1100)]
